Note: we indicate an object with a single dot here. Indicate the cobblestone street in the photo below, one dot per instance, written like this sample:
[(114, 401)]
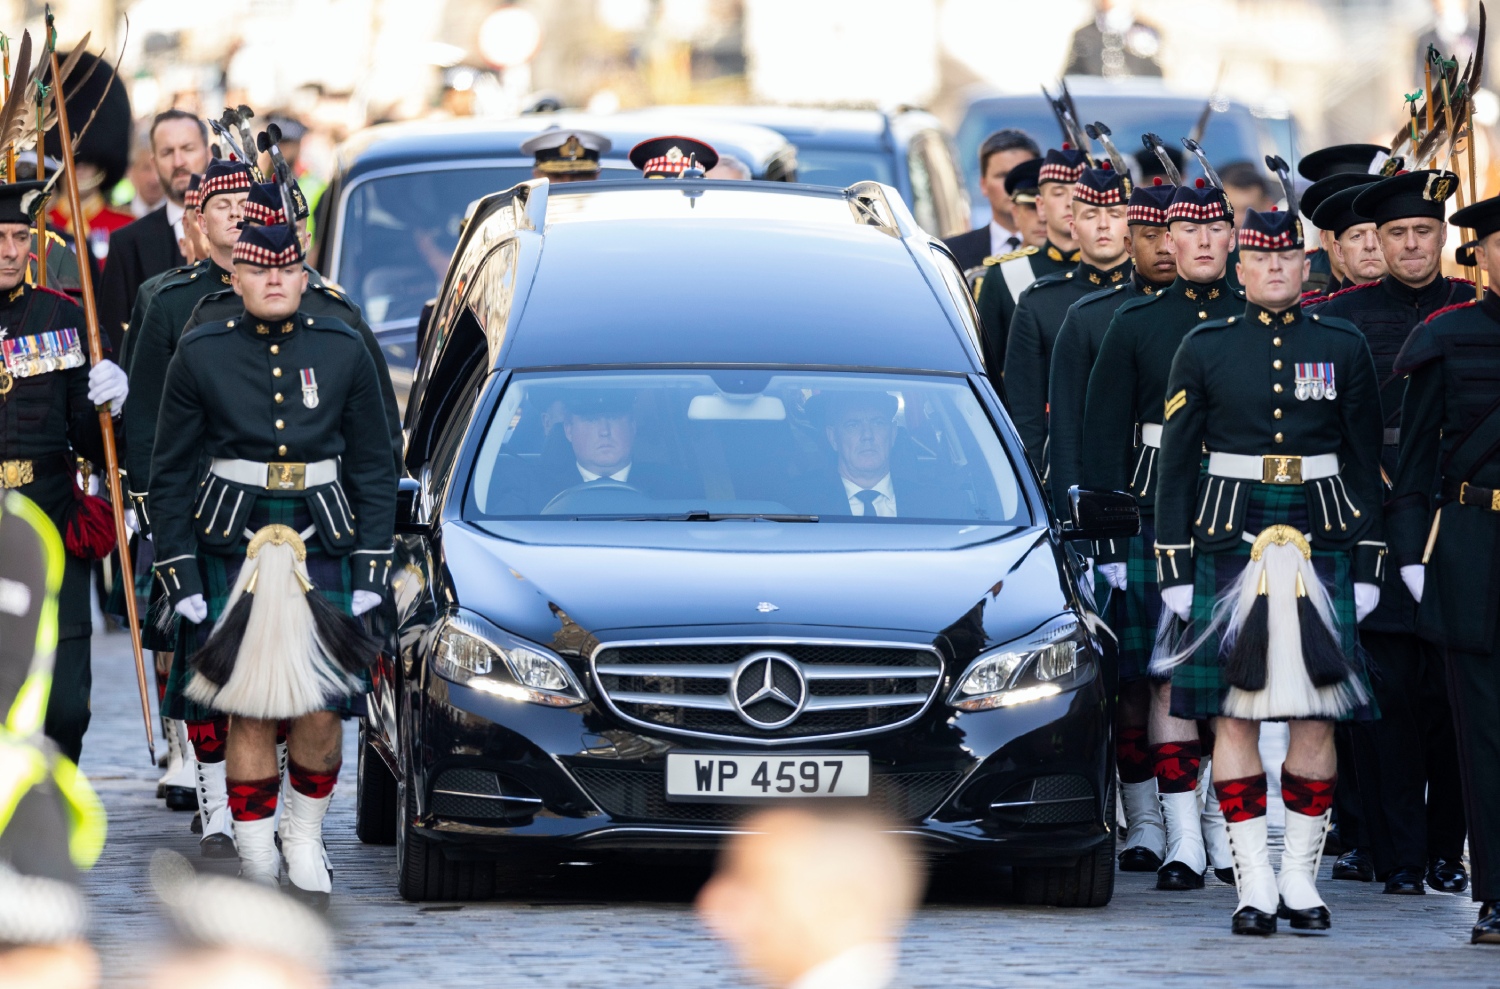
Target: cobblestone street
[(634, 927)]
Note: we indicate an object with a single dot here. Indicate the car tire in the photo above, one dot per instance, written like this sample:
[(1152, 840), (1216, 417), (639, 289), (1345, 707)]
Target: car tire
[(424, 872), (1090, 882), (374, 795)]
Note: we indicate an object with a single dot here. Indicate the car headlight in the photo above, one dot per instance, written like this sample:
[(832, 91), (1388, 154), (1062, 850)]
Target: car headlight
[(473, 652), (1040, 665)]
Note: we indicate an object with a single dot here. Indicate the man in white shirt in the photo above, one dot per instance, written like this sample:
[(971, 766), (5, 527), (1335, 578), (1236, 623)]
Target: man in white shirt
[(814, 898), (861, 429), (1000, 152)]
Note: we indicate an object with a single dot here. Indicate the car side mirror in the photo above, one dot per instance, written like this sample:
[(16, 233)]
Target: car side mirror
[(408, 500), (1100, 515)]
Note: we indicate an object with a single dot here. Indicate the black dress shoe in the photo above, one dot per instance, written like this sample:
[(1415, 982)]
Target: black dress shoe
[(1487, 928), (181, 798), (196, 827), (1405, 882), (217, 846), (1177, 876), (1248, 920), (1311, 919), (1139, 859), (1447, 876), (1225, 876), (1354, 865)]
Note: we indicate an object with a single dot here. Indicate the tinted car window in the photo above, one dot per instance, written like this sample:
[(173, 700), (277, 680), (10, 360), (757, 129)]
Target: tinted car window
[(662, 445), (398, 233), (923, 206), (842, 167)]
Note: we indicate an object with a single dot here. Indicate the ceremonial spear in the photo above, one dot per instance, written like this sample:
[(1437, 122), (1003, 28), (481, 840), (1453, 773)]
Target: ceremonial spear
[(96, 354)]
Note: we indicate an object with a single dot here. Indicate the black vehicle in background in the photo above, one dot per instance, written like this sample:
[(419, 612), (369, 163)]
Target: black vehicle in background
[(638, 593), (393, 211)]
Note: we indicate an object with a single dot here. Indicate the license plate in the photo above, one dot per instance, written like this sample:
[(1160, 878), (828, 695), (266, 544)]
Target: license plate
[(694, 777)]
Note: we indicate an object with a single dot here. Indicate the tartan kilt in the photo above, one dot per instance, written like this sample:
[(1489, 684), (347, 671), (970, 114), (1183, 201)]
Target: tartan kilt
[(1142, 610), (330, 575), (1198, 686)]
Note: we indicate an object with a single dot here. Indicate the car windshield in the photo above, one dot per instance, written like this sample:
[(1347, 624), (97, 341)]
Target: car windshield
[(842, 167), (398, 233), (695, 446)]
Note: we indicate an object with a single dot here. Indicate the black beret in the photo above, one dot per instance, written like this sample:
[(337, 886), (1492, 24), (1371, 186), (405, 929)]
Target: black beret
[(1338, 159), (1102, 187), (1336, 213), (1410, 194), (1199, 203), (1483, 217), (1325, 187), (20, 201), (1062, 165), (1271, 230), (1021, 181), (1149, 203)]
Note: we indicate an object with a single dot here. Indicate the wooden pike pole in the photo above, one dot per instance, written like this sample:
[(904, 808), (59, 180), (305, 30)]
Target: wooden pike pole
[(96, 354), (10, 150), (41, 174), (1453, 133)]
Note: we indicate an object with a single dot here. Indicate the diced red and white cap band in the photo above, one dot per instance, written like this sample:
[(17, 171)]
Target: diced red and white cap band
[(255, 254), (1113, 196), (263, 214), (1054, 172), (1149, 215), (1198, 212), (1256, 240), (236, 181)]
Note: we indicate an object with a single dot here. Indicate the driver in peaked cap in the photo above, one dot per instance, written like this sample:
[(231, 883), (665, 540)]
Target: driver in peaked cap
[(672, 157), (566, 155)]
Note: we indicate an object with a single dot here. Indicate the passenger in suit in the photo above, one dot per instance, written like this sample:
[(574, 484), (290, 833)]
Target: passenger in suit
[(871, 477)]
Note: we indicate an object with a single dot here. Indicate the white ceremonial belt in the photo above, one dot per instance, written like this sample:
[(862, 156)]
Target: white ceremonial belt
[(1273, 468), (1151, 434), (283, 476)]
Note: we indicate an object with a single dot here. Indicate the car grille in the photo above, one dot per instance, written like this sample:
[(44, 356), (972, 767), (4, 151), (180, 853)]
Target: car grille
[(641, 795), (844, 688)]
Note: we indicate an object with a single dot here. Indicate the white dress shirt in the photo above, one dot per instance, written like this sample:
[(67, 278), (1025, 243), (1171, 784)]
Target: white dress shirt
[(174, 217), (1003, 241), (885, 505), (868, 966), (622, 475)]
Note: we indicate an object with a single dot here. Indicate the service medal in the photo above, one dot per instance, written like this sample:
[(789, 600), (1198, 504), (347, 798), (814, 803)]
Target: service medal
[(309, 388), (1315, 381)]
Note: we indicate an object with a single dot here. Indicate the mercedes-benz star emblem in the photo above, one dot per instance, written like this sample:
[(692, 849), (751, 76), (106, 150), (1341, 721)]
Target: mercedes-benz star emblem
[(768, 690)]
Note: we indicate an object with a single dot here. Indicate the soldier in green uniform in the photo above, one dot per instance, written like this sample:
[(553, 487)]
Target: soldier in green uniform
[(1121, 443), (1013, 272), (1410, 794), (1330, 170), (48, 420), (1100, 198), (1073, 356), (1271, 555), (220, 208), (1443, 523), (268, 553)]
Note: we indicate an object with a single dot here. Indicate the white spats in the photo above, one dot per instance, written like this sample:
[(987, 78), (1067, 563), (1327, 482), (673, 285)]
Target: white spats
[(213, 805), (1253, 875), (181, 766), (1184, 833), (259, 860), (1215, 838), (1144, 827), (307, 866), (1300, 857)]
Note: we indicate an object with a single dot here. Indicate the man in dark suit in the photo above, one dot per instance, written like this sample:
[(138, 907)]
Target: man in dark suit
[(149, 246), (1000, 152), (861, 429)]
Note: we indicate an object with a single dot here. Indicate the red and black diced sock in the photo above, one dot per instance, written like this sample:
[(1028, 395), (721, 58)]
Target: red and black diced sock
[(1132, 755), (1306, 796), (1243, 799), (253, 800), (1175, 765), (208, 738), (311, 783)]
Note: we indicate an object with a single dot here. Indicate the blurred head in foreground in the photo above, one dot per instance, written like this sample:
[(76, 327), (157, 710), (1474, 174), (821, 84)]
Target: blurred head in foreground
[(234, 934), (42, 925), (814, 898)]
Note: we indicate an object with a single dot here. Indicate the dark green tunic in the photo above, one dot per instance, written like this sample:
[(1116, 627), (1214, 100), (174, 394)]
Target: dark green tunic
[(236, 389), (1073, 355), (1028, 357), (997, 304)]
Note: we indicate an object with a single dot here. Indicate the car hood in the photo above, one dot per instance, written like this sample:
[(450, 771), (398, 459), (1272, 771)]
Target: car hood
[(566, 583)]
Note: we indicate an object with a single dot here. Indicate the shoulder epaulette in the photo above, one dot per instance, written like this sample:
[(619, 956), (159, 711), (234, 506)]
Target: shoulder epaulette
[(1311, 294), (1019, 253), (1448, 309), (1351, 288), (329, 323)]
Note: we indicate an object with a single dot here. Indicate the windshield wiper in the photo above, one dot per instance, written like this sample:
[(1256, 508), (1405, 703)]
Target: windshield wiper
[(706, 516)]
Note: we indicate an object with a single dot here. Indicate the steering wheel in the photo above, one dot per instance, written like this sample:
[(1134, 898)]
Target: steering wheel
[(601, 485)]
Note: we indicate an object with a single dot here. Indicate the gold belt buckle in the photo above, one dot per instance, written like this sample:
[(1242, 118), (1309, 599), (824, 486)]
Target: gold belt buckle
[(14, 473), (286, 477), (1280, 470)]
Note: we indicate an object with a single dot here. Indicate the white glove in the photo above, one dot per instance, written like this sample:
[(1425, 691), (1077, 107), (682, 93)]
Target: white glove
[(1114, 574), (1178, 600), (1366, 597), (131, 522), (108, 385), (194, 609), (1414, 576), (363, 601)]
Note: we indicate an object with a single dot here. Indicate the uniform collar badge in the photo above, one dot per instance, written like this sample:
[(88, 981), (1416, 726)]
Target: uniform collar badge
[(309, 388), (1190, 293), (17, 293), (1264, 317)]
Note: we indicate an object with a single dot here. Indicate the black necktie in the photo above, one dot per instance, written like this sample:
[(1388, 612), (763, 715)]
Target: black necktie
[(1012, 242), (867, 497)]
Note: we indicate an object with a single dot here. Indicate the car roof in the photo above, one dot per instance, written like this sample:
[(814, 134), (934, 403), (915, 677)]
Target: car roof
[(827, 127), (717, 272), (422, 141)]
